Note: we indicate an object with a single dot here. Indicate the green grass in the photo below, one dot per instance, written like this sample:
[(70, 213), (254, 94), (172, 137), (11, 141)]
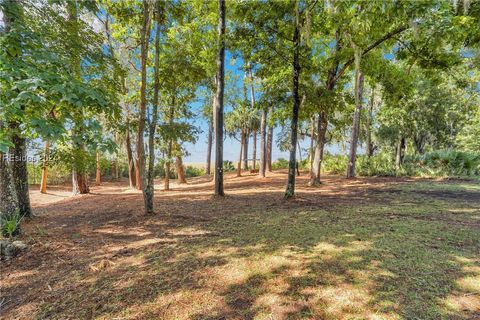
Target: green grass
[(410, 256)]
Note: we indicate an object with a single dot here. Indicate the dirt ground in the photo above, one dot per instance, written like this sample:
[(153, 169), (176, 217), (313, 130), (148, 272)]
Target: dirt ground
[(99, 256)]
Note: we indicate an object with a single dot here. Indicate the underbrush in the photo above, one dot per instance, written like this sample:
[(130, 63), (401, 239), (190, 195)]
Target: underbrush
[(442, 163)]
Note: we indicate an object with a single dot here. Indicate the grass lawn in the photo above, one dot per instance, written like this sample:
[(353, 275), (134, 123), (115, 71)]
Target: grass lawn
[(351, 249)]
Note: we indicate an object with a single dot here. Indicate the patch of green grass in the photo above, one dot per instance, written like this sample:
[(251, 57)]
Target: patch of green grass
[(413, 256)]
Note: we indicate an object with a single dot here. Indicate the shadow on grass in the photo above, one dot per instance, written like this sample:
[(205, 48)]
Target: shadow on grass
[(253, 256)]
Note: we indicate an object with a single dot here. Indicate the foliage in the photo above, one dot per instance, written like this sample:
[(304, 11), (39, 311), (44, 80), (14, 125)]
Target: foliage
[(10, 225)]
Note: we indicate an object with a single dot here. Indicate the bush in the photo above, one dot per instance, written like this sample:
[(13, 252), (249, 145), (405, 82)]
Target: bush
[(10, 226), (228, 166), (334, 164), (443, 163), (280, 163), (193, 172), (381, 164)]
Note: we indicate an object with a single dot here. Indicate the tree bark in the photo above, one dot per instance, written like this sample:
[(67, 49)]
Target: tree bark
[(245, 149), (263, 131), (242, 145), (168, 162), (131, 163), (140, 176), (209, 149), (369, 142), (254, 151), (319, 149), (149, 189), (8, 196), (46, 155), (269, 146), (219, 101), (180, 170), (312, 140), (400, 153), (98, 172), (356, 124), (19, 169), (290, 190)]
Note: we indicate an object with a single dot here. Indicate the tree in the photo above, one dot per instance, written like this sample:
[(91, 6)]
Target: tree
[(219, 100)]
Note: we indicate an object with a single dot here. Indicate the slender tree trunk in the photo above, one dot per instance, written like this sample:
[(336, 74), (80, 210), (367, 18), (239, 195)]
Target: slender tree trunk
[(149, 189), (167, 166), (369, 124), (245, 149), (290, 190), (168, 162), (219, 101), (209, 149), (263, 131), (242, 145), (269, 146), (319, 147), (399, 153), (79, 172), (254, 151), (312, 140), (356, 124), (131, 163), (166, 184), (98, 172), (180, 170), (115, 169), (140, 176), (46, 155)]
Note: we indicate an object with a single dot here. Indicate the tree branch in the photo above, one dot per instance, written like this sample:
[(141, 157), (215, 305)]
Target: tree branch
[(387, 36)]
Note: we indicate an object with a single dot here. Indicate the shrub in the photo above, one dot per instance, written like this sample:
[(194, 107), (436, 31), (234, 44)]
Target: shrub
[(10, 226), (280, 163), (334, 164), (191, 171), (228, 166)]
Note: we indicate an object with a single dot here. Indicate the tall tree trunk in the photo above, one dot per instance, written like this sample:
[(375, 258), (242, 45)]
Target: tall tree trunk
[(219, 101), (131, 163), (356, 124), (98, 172), (254, 151), (269, 145), (19, 169), (168, 162), (149, 188), (263, 132), (8, 196), (369, 124), (245, 149), (290, 190), (240, 156), (166, 184), (312, 144), (322, 121), (140, 176), (12, 16), (319, 148), (79, 172), (115, 169), (399, 153), (180, 170), (209, 149), (46, 155)]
